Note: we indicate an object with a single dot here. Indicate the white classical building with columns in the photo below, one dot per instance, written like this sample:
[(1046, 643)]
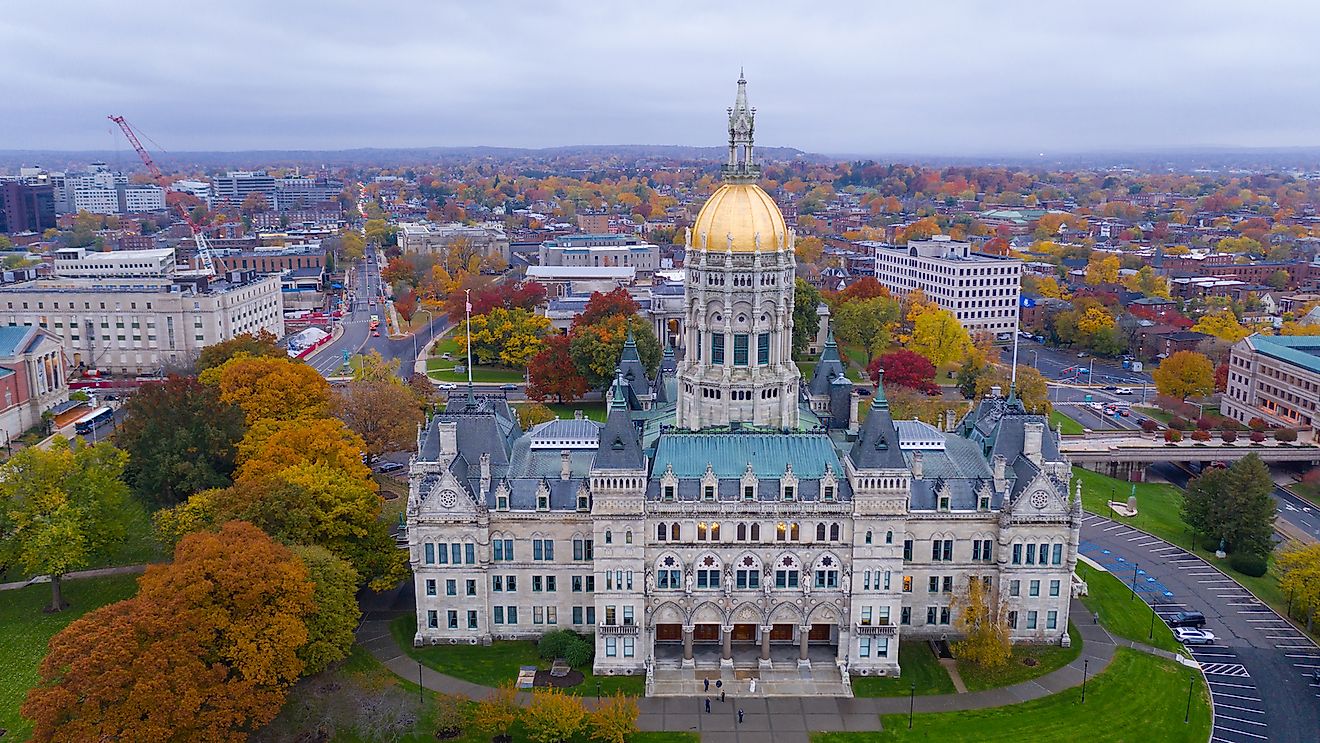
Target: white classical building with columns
[(728, 513)]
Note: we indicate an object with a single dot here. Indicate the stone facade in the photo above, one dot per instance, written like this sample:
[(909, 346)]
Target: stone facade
[(695, 528)]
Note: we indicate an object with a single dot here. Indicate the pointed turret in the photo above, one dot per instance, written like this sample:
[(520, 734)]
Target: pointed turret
[(620, 446), (741, 167), (877, 443), (632, 368), (828, 366)]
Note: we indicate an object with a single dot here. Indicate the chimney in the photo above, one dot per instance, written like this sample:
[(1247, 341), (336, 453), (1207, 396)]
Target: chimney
[(448, 438), (1031, 437), (565, 464), (485, 466), (996, 391), (854, 416), (951, 418), (916, 464), (999, 463)]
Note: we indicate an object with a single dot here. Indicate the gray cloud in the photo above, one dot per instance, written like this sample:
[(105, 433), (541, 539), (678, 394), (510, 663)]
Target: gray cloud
[(942, 77)]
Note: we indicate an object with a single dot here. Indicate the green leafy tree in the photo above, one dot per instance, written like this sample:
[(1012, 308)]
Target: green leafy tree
[(61, 507), (1234, 505), (508, 337), (806, 323), (330, 627), (597, 348), (866, 323), (180, 439)]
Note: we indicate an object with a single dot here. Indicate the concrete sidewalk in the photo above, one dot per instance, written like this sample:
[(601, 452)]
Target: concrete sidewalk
[(75, 575), (792, 719)]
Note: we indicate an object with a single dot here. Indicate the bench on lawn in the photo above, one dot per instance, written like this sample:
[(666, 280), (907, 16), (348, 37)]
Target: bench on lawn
[(526, 677), (560, 668)]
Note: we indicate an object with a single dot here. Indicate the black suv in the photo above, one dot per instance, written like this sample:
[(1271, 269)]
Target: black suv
[(1186, 619)]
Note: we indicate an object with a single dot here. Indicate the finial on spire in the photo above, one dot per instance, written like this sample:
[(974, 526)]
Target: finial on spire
[(740, 167)]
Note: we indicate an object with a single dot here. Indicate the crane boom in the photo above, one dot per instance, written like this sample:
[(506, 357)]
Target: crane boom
[(199, 235)]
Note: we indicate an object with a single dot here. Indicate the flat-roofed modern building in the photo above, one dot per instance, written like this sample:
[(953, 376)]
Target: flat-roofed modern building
[(487, 239), (981, 290), (601, 250), (1275, 378)]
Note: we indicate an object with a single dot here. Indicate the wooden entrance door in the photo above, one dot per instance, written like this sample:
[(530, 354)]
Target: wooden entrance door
[(820, 633), (669, 633), (781, 632), (707, 633), (744, 633)]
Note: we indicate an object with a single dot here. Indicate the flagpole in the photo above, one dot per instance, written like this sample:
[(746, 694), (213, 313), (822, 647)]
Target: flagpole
[(467, 306), (1017, 335)]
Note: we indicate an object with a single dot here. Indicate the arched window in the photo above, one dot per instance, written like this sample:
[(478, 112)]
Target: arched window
[(627, 536), (661, 532), (708, 572), (701, 531), (669, 573), (673, 532), (889, 537), (715, 532), (741, 533), (834, 533), (786, 572), (796, 532), (820, 532), (868, 536), (609, 537), (781, 532), (756, 532), (747, 572), (827, 572)]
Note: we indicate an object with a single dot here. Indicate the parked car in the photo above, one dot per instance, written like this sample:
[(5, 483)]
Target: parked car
[(1110, 388), (447, 386), (508, 387), (863, 392), (1082, 354), (389, 466), (1191, 636), (1186, 619), (1123, 391), (1038, 338)]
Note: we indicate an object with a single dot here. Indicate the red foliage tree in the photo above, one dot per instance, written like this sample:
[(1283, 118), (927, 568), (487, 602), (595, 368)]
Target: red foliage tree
[(399, 271), (906, 369), (551, 373), (406, 304), (601, 306), (864, 288), (1221, 377), (995, 246)]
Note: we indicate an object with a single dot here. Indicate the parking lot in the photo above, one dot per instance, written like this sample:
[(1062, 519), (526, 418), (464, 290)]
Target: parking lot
[(1259, 669)]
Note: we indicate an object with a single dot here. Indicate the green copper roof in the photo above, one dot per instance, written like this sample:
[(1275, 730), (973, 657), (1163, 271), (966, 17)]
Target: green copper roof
[(729, 453), (1301, 350)]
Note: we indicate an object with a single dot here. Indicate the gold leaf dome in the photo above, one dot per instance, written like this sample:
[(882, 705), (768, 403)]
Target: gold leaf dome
[(741, 211)]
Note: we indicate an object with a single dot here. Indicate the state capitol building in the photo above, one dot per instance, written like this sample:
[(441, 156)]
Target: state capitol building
[(729, 513)]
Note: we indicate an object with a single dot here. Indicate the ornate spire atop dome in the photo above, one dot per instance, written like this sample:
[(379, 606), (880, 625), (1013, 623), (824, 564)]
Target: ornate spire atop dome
[(741, 168)]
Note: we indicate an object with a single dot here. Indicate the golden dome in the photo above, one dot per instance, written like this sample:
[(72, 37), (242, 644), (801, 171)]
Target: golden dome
[(744, 212)]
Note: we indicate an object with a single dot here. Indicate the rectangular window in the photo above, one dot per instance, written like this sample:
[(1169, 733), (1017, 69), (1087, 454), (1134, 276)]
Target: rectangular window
[(456, 553), (740, 349), (538, 615), (1054, 588), (717, 348), (932, 614), (591, 615), (934, 584), (1017, 554), (497, 550), (430, 553), (763, 349), (511, 613), (947, 584), (1051, 620), (551, 615), (432, 619), (1012, 620), (550, 584), (470, 553), (1015, 588), (944, 615), (907, 550), (907, 584), (536, 550), (866, 616), (577, 584), (471, 588), (498, 615), (627, 615), (451, 588), (905, 616), (442, 554), (629, 647), (1031, 554), (1033, 588), (511, 583), (497, 583), (886, 580), (536, 584), (1031, 620), (430, 587), (451, 619), (864, 647), (577, 615), (472, 619), (611, 647), (1057, 556), (948, 550)]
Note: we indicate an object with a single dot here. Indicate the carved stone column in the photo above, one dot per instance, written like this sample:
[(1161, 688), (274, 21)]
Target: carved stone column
[(726, 654), (765, 645), (688, 631), (804, 633)]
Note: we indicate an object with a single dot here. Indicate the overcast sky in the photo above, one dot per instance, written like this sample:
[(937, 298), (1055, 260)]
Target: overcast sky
[(939, 77)]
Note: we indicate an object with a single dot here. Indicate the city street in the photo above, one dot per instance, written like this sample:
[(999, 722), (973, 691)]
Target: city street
[(1059, 364), (1260, 667)]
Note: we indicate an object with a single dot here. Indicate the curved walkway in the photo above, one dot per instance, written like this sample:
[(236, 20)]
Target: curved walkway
[(790, 718)]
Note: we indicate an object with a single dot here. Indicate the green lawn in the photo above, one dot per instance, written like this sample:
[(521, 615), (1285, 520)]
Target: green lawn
[(1066, 425), (1306, 490), (25, 631), (1138, 698), (1047, 658), (1150, 411), (1121, 613), (498, 663), (920, 667), (139, 544), (443, 369), (1159, 512)]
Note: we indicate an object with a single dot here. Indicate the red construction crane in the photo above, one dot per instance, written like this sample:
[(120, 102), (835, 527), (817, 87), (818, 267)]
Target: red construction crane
[(203, 250)]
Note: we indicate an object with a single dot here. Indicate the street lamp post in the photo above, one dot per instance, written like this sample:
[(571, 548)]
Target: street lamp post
[(1151, 635), (912, 702), (1187, 716), (1134, 581), (420, 689), (1086, 664), (1035, 359)]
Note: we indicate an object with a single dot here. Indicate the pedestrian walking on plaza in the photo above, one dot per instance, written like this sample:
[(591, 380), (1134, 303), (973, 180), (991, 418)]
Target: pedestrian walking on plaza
[(721, 696), (707, 705), (707, 682), (740, 716)]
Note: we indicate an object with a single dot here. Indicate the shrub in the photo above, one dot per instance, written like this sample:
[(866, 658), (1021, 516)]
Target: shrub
[(1257, 436), (1179, 423), (1228, 435), (1248, 564), (554, 644), (1257, 424), (1205, 423), (1200, 435), (1228, 424), (448, 718), (579, 652), (1173, 435), (1149, 425), (1285, 434)]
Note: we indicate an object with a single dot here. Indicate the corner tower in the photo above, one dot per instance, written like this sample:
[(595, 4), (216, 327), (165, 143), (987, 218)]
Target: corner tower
[(739, 299)]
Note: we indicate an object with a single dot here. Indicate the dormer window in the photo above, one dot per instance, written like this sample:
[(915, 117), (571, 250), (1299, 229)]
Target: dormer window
[(828, 493), (788, 492), (708, 493), (749, 492), (669, 493), (944, 502), (584, 503), (542, 502), (501, 502), (984, 503)]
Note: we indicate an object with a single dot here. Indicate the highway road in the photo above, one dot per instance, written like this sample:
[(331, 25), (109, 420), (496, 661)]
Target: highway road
[(1296, 511), (1260, 667)]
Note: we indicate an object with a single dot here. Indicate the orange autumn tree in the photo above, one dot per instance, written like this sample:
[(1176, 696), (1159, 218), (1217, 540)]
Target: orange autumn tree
[(207, 650), (271, 389)]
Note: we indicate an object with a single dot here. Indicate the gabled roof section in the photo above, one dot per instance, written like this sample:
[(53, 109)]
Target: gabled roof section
[(630, 364), (828, 367), (728, 454), (620, 446), (877, 446)]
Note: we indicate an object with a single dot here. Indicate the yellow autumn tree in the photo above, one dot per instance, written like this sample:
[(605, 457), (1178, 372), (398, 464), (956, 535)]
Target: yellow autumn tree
[(1299, 569), (982, 618), (1147, 283), (615, 720), (270, 388), (1102, 269), (1223, 325), (553, 716), (1094, 320), (508, 337), (939, 336)]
